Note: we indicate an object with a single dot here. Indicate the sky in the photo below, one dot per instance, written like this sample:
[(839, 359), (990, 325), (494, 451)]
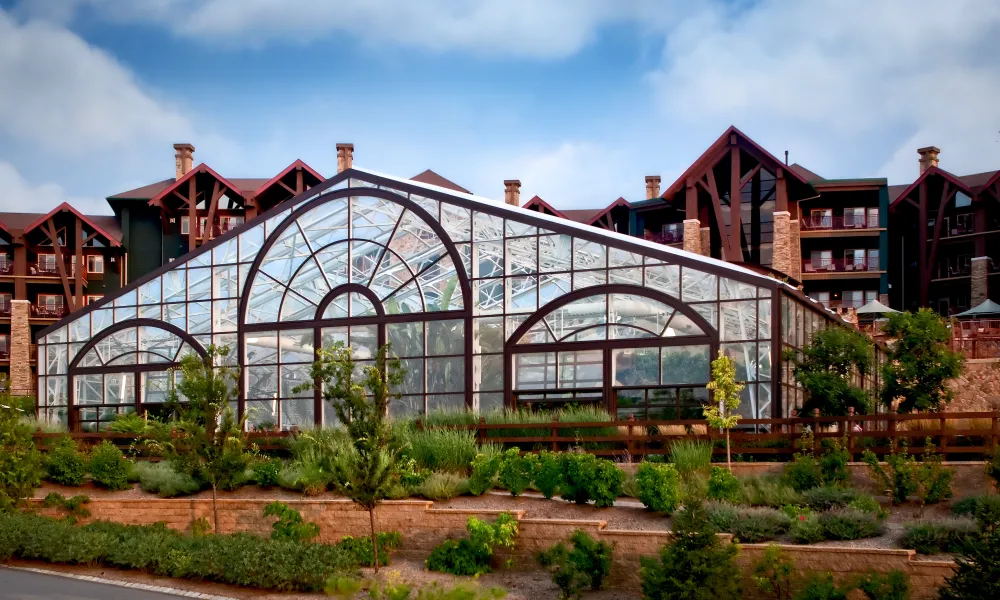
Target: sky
[(579, 99)]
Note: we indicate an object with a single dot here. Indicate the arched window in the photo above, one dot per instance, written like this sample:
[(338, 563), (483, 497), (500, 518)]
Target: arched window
[(363, 270), (127, 368)]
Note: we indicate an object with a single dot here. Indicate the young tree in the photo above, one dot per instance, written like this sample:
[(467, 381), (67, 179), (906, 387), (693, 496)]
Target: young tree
[(211, 445), (721, 414), (825, 369), (360, 398), (919, 361)]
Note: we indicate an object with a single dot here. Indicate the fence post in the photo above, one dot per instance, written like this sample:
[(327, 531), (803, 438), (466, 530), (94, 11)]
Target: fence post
[(555, 432), (849, 432), (419, 424), (793, 429), (630, 443), (943, 439), (481, 430), (892, 432), (815, 426)]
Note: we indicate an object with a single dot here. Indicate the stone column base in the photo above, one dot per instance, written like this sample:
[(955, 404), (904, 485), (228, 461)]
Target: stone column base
[(795, 249), (692, 236), (980, 291), (22, 380), (706, 241), (781, 258)]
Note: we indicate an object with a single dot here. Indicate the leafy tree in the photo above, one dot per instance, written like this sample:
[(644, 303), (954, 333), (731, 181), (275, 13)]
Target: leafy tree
[(826, 366), (210, 446), (360, 398), (919, 361), (721, 414), (20, 463)]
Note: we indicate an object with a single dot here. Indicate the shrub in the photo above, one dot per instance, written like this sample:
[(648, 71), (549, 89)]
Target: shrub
[(74, 507), (767, 491), (867, 504), (847, 524), (896, 477), (133, 423), (723, 485), (239, 559), (162, 479), (549, 477), (588, 563), (806, 529), (894, 585), (586, 477), (472, 555), (442, 449), (108, 467), (749, 525), (985, 509), (360, 549), (20, 463), (993, 467), (934, 537), (691, 457), (695, 566), (484, 472), (443, 486), (65, 464), (833, 464), (657, 486), (772, 574), (932, 479), (517, 471), (803, 473), (289, 524), (826, 498), (820, 586), (977, 572), (265, 472)]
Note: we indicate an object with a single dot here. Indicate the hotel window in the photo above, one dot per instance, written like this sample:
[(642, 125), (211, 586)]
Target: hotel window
[(855, 298), (873, 217), (5, 304), (4, 344), (823, 297), (821, 259), (873, 262), (93, 298), (95, 263), (854, 217), (871, 296), (47, 263), (963, 224), (229, 222), (821, 217), (962, 200), (202, 226), (185, 225), (50, 302)]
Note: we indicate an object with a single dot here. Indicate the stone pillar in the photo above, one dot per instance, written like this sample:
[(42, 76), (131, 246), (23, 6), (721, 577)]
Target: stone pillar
[(652, 186), (22, 382), (345, 157), (183, 159), (512, 192), (781, 258), (706, 241), (928, 157), (795, 245), (980, 283), (692, 236)]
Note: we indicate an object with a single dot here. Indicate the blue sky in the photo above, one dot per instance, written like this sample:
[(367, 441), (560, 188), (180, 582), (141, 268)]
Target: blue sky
[(580, 99)]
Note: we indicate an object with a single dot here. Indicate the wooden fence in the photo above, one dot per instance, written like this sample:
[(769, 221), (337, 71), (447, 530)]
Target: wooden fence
[(968, 434)]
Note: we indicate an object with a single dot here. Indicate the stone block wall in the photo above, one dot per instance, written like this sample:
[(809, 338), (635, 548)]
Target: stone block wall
[(22, 382), (423, 527), (978, 388)]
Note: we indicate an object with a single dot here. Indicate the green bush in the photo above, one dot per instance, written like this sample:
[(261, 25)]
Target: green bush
[(359, 549), (65, 464), (108, 467), (977, 571), (695, 566), (265, 472), (847, 524), (931, 478), (867, 504), (20, 463), (162, 479), (484, 472), (772, 574), (75, 507), (472, 555), (993, 467), (443, 486), (894, 585), (549, 477), (587, 564), (767, 490), (820, 586), (748, 525), (289, 524), (984, 508), (803, 473), (826, 498), (238, 559), (806, 529), (517, 471), (657, 486), (897, 477), (833, 464), (934, 537), (723, 485), (442, 449), (586, 477), (691, 457), (133, 423)]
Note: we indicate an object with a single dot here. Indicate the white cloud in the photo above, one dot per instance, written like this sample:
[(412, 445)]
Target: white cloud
[(63, 95), (851, 83), (18, 195), (549, 29)]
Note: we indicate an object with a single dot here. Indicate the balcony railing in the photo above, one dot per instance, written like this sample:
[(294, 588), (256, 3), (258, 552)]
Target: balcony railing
[(819, 222), (217, 229), (839, 265), (5, 308), (669, 235), (48, 311), (50, 268), (6, 265)]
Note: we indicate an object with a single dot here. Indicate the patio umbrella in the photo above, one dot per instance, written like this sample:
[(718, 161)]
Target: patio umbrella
[(985, 309), (875, 308)]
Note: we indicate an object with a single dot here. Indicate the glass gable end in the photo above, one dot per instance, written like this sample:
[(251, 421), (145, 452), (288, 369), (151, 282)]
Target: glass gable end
[(486, 305)]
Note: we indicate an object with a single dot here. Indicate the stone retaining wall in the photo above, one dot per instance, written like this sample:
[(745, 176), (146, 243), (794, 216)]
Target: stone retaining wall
[(424, 527)]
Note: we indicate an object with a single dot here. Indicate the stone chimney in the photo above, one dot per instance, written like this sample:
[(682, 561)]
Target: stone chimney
[(345, 157), (652, 186), (183, 159), (512, 192), (928, 157)]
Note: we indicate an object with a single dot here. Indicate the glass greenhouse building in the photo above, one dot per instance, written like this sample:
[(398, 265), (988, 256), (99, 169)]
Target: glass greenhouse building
[(487, 305)]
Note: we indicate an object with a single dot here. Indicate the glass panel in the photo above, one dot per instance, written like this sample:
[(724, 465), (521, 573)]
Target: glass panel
[(155, 386), (337, 308), (373, 218), (457, 222), (685, 365), (292, 376), (581, 369), (175, 285), (413, 376), (225, 253), (576, 315), (490, 334), (554, 253), (119, 388), (364, 341), (88, 389), (445, 375), (739, 320), (199, 284), (226, 282), (296, 345), (490, 372), (407, 339), (698, 286), (297, 413), (745, 357), (636, 366), (261, 348), (250, 243), (639, 311), (522, 256), (589, 255), (325, 224), (149, 292)]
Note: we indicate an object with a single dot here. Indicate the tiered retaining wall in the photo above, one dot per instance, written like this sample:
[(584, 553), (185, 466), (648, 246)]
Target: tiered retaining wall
[(423, 527)]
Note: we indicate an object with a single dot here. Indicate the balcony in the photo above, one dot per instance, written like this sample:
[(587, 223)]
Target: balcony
[(5, 308), (6, 265), (220, 228), (48, 311), (671, 234), (839, 265), (828, 223)]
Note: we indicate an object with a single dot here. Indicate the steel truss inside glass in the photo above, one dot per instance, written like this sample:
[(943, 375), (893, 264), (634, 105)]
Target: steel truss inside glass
[(486, 305)]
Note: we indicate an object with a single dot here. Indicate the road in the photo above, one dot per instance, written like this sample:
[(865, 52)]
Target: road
[(24, 585)]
